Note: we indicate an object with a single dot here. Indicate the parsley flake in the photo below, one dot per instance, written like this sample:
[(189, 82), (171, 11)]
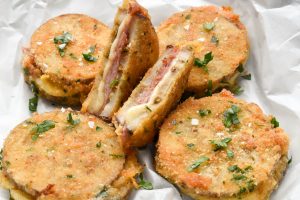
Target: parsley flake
[(204, 112), (71, 120), (98, 128), (88, 55), (247, 76), (231, 117), (41, 128), (203, 63), (208, 26), (218, 145), (197, 163), (214, 40), (209, 91), (274, 122), (62, 41), (147, 185), (229, 153)]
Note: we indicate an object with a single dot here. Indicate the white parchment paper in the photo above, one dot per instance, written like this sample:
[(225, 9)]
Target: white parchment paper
[(274, 34)]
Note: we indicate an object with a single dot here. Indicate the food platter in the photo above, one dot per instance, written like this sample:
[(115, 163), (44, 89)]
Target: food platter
[(273, 62)]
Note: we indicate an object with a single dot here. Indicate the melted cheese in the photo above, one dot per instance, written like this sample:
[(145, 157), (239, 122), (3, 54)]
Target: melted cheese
[(134, 115)]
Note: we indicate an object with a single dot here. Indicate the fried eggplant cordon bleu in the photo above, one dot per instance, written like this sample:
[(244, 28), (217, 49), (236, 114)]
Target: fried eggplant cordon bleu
[(66, 155), (133, 49), (221, 147), (158, 92), (64, 57), (219, 40)]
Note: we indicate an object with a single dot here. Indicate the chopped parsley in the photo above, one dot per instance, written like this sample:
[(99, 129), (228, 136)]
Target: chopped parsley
[(214, 40), (72, 121), (247, 76), (208, 26), (231, 117), (229, 153), (204, 112), (69, 176), (73, 56), (114, 83), (33, 102), (98, 145), (190, 145), (239, 177), (62, 41), (147, 185), (222, 144), (209, 91), (203, 63), (88, 55), (98, 128), (236, 90), (147, 108), (240, 68), (117, 155), (197, 163), (188, 16), (41, 128), (289, 162), (178, 132), (102, 193), (274, 122)]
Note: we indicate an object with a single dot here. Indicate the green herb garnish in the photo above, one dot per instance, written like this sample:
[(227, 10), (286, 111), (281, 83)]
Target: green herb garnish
[(218, 145), (102, 193), (88, 55), (247, 76), (188, 16), (1, 158), (41, 128), (197, 163), (71, 120), (208, 26), (147, 185), (274, 122), (98, 128), (289, 162), (69, 176), (240, 68), (178, 132), (190, 145), (117, 155), (209, 91), (214, 40), (231, 117), (229, 153), (33, 102), (203, 63), (204, 112), (238, 177), (98, 145), (62, 41)]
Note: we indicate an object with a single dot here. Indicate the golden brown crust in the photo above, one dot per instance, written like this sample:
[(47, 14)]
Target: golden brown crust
[(185, 137), (231, 50), (70, 75), (50, 167)]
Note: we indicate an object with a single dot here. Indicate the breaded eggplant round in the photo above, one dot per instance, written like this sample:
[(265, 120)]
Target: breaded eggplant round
[(64, 57), (66, 155), (220, 43), (221, 147)]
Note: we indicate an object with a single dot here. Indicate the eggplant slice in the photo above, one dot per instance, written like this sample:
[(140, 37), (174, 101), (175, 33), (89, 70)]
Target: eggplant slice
[(133, 50), (153, 98)]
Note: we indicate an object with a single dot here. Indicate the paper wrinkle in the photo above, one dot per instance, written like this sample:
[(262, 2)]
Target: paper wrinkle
[(274, 62)]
